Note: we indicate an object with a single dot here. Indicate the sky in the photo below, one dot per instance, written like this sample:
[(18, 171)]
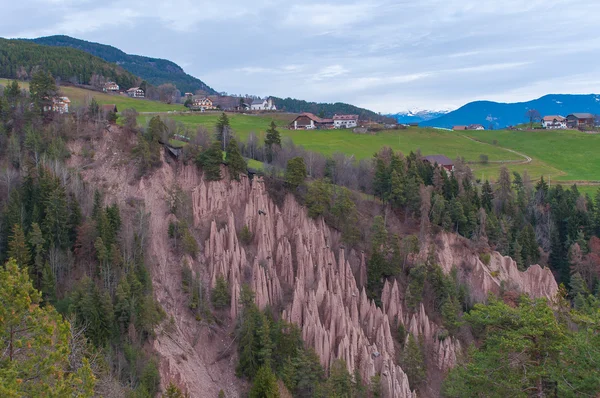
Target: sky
[(388, 56)]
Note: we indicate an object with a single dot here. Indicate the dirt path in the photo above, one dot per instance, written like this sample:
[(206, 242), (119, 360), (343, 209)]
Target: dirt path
[(527, 159)]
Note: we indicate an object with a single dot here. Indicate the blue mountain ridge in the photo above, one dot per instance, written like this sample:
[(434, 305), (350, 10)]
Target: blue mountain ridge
[(500, 115), (416, 117)]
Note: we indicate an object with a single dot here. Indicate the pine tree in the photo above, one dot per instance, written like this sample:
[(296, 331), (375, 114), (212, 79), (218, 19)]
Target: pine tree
[(210, 160), (42, 89), (220, 295), (295, 172), (222, 127), (34, 341), (272, 138), (265, 384), (487, 196), (234, 159), (36, 241), (413, 362), (17, 247), (173, 392), (381, 181)]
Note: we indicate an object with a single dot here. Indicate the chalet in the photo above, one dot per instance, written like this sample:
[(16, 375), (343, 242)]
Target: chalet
[(345, 121), (475, 127), (110, 87), (441, 161), (135, 92), (60, 104), (203, 104), (263, 105), (554, 122), (188, 95), (308, 121), (580, 120), (459, 128)]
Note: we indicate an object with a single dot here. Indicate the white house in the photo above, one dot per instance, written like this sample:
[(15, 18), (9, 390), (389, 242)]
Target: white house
[(111, 86), (135, 92), (345, 121), (263, 105), (554, 122), (60, 104)]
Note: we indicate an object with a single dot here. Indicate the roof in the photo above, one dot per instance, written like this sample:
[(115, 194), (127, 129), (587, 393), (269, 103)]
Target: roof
[(345, 117), (553, 118), (109, 108), (258, 101), (582, 115), (471, 126), (314, 118), (439, 159), (134, 89), (459, 127)]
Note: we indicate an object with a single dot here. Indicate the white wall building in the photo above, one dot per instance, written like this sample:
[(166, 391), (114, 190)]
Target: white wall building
[(345, 121), (554, 122), (263, 105)]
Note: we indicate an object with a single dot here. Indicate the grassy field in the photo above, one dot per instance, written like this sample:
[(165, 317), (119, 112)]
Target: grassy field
[(429, 141), (79, 96), (573, 155)]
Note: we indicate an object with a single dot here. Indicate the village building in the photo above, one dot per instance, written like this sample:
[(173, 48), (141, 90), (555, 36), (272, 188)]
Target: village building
[(459, 128), (110, 87), (441, 161), (188, 95), (308, 121), (554, 122), (263, 105), (203, 104), (475, 127), (60, 104), (345, 121), (135, 92), (581, 120)]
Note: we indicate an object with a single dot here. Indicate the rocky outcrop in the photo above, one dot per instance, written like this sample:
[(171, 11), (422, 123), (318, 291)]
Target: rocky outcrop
[(453, 251)]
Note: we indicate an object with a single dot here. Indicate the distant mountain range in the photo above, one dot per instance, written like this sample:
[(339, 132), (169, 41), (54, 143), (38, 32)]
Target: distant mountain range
[(500, 115), (155, 71), (416, 116)]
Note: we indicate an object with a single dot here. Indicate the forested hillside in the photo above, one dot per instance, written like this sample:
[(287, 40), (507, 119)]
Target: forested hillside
[(155, 71), (21, 59), (327, 110), (121, 273)]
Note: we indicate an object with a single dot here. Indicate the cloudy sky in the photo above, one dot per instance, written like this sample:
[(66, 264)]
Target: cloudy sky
[(385, 55)]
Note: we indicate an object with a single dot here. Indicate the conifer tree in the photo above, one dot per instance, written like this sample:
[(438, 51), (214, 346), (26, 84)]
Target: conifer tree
[(295, 172), (265, 384), (234, 159), (272, 138), (17, 247), (210, 160), (222, 128)]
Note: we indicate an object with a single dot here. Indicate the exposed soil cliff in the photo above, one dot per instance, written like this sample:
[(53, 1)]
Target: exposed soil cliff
[(296, 265)]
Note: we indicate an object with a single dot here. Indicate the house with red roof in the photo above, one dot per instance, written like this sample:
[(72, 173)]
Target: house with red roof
[(308, 121)]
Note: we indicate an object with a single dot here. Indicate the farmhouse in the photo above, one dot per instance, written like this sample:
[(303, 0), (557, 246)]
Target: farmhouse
[(581, 120), (60, 104), (203, 103), (110, 86), (459, 128), (441, 161), (263, 105), (475, 127), (308, 121), (135, 92), (554, 122), (345, 121)]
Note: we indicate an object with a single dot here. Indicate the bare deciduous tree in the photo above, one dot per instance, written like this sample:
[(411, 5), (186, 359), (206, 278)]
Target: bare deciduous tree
[(533, 115)]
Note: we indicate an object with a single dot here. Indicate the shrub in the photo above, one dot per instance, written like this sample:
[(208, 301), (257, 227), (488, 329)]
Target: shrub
[(190, 246), (483, 158), (246, 235), (485, 258)]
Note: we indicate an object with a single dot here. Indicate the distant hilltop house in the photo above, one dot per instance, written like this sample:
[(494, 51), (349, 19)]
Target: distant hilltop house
[(441, 161), (459, 128), (554, 122), (110, 87), (60, 104), (202, 104), (345, 121), (188, 95), (581, 120), (475, 127), (135, 92), (308, 121), (263, 105)]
